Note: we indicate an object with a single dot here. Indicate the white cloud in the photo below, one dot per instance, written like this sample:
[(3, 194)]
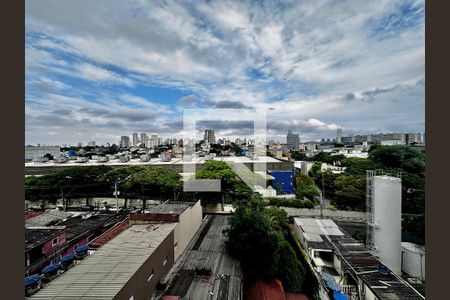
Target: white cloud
[(300, 58)]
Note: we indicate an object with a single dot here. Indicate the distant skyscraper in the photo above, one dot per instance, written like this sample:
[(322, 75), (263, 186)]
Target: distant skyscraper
[(292, 141), (135, 139), (144, 139), (209, 136), (125, 141), (339, 135), (154, 140), (91, 144), (412, 138)]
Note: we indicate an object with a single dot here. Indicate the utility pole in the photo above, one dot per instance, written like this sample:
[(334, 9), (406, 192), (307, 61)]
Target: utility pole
[(321, 198), (117, 199)]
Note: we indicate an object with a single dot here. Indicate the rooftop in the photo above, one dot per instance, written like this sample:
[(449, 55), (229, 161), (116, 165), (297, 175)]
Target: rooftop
[(35, 236), (206, 251), (357, 258), (168, 208), (103, 274), (79, 225), (313, 230), (271, 289), (47, 218), (32, 214), (157, 161)]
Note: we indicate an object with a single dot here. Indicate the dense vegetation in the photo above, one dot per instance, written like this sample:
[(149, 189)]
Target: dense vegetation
[(348, 189), (231, 184), (259, 238), (99, 181)]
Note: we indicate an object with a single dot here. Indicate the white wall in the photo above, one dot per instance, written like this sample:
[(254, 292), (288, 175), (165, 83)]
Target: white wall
[(369, 295), (189, 222), (413, 262)]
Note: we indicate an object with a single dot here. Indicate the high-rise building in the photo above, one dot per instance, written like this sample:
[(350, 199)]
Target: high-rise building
[(412, 138), (292, 140), (154, 140), (144, 139), (91, 144), (135, 139), (125, 141), (339, 135), (209, 136)]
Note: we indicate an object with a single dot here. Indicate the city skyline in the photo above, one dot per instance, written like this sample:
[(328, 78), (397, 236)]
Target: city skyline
[(358, 66)]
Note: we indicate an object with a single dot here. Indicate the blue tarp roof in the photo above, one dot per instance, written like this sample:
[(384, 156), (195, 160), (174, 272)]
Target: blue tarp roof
[(68, 258), (337, 295), (51, 268), (82, 249), (32, 280)]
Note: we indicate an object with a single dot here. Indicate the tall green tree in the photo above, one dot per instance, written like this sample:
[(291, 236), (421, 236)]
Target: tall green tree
[(257, 237)]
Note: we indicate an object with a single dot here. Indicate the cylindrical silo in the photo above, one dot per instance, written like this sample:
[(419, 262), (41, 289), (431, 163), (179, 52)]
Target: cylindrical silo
[(387, 210)]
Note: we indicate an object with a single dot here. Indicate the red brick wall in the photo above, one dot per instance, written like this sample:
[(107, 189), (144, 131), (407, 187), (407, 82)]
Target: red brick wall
[(143, 218)]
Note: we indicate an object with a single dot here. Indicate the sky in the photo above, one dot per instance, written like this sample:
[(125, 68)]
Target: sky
[(96, 70)]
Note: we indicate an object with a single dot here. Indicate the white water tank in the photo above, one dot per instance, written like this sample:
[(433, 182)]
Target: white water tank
[(387, 215)]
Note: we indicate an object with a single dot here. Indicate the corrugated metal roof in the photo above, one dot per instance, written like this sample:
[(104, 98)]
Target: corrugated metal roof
[(47, 217), (314, 227), (103, 274), (206, 251)]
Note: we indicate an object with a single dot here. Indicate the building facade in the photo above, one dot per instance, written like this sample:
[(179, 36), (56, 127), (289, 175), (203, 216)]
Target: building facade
[(125, 141), (292, 141), (135, 139), (339, 135), (209, 136)]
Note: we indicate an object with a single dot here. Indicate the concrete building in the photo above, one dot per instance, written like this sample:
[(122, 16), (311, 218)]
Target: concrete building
[(154, 140), (91, 144), (413, 138), (136, 140), (187, 215), (343, 265), (209, 136), (176, 164), (33, 152), (42, 244), (413, 260), (127, 267), (143, 139), (339, 135), (304, 166), (292, 141), (125, 141)]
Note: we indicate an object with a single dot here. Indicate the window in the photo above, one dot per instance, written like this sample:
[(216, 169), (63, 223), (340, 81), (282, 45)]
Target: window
[(55, 241), (165, 261), (151, 275)]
